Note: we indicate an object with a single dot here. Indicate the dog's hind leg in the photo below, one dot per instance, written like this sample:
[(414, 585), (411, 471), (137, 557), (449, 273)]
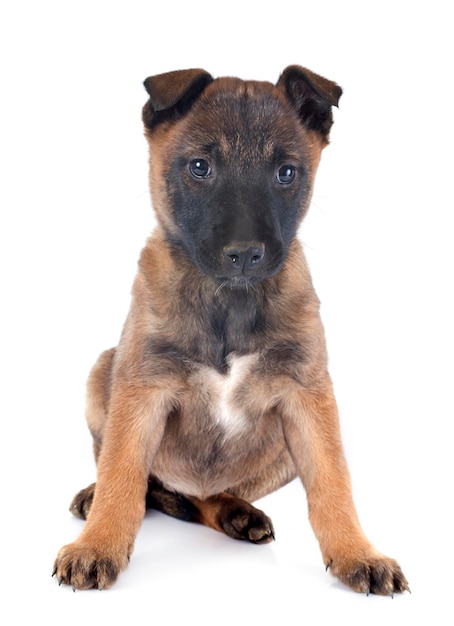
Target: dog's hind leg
[(229, 512), (98, 397), (170, 503), (98, 393), (157, 498), (224, 512)]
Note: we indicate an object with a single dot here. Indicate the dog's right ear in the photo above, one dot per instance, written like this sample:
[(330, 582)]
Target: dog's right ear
[(172, 94), (312, 96)]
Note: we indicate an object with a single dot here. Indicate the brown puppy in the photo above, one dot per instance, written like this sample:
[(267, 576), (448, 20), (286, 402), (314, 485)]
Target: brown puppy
[(218, 392)]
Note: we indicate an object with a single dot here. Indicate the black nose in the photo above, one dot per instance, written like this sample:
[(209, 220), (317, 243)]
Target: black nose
[(243, 257)]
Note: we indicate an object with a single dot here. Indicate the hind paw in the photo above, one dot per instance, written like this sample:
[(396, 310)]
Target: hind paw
[(247, 522), (82, 501)]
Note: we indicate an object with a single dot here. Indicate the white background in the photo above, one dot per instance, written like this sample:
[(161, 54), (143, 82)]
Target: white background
[(75, 213)]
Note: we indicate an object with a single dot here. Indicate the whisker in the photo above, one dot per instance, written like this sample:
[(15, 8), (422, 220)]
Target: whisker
[(220, 288)]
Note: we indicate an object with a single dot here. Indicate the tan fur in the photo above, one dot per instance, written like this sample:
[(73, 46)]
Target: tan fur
[(217, 437)]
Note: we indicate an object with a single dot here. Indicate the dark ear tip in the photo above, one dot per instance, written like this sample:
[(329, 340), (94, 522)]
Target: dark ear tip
[(166, 89), (313, 97), (338, 94), (146, 84), (323, 87)]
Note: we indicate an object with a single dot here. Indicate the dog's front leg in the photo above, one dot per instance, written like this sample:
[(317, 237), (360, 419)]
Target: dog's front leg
[(133, 432), (311, 427)]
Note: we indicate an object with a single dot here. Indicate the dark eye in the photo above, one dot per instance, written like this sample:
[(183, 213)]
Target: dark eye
[(285, 174), (200, 168)]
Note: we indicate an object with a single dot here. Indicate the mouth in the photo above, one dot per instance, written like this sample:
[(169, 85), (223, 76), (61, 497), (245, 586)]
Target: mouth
[(237, 283)]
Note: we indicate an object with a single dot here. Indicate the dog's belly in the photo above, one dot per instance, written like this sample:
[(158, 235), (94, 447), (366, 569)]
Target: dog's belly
[(219, 438)]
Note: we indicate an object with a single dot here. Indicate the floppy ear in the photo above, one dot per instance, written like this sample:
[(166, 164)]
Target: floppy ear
[(172, 94), (312, 96)]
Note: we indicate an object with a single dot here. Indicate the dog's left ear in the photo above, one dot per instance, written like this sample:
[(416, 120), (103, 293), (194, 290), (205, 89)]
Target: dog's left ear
[(172, 94), (312, 96)]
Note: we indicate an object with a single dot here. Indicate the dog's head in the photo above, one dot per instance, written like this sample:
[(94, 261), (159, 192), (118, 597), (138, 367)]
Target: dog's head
[(232, 165)]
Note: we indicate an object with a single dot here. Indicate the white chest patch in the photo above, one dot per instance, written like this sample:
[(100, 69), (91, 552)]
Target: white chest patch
[(222, 389)]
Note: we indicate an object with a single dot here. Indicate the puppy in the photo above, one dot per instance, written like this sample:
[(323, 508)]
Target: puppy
[(218, 392)]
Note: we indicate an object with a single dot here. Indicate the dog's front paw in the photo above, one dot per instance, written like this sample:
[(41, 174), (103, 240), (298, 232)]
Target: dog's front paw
[(85, 567), (377, 574)]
